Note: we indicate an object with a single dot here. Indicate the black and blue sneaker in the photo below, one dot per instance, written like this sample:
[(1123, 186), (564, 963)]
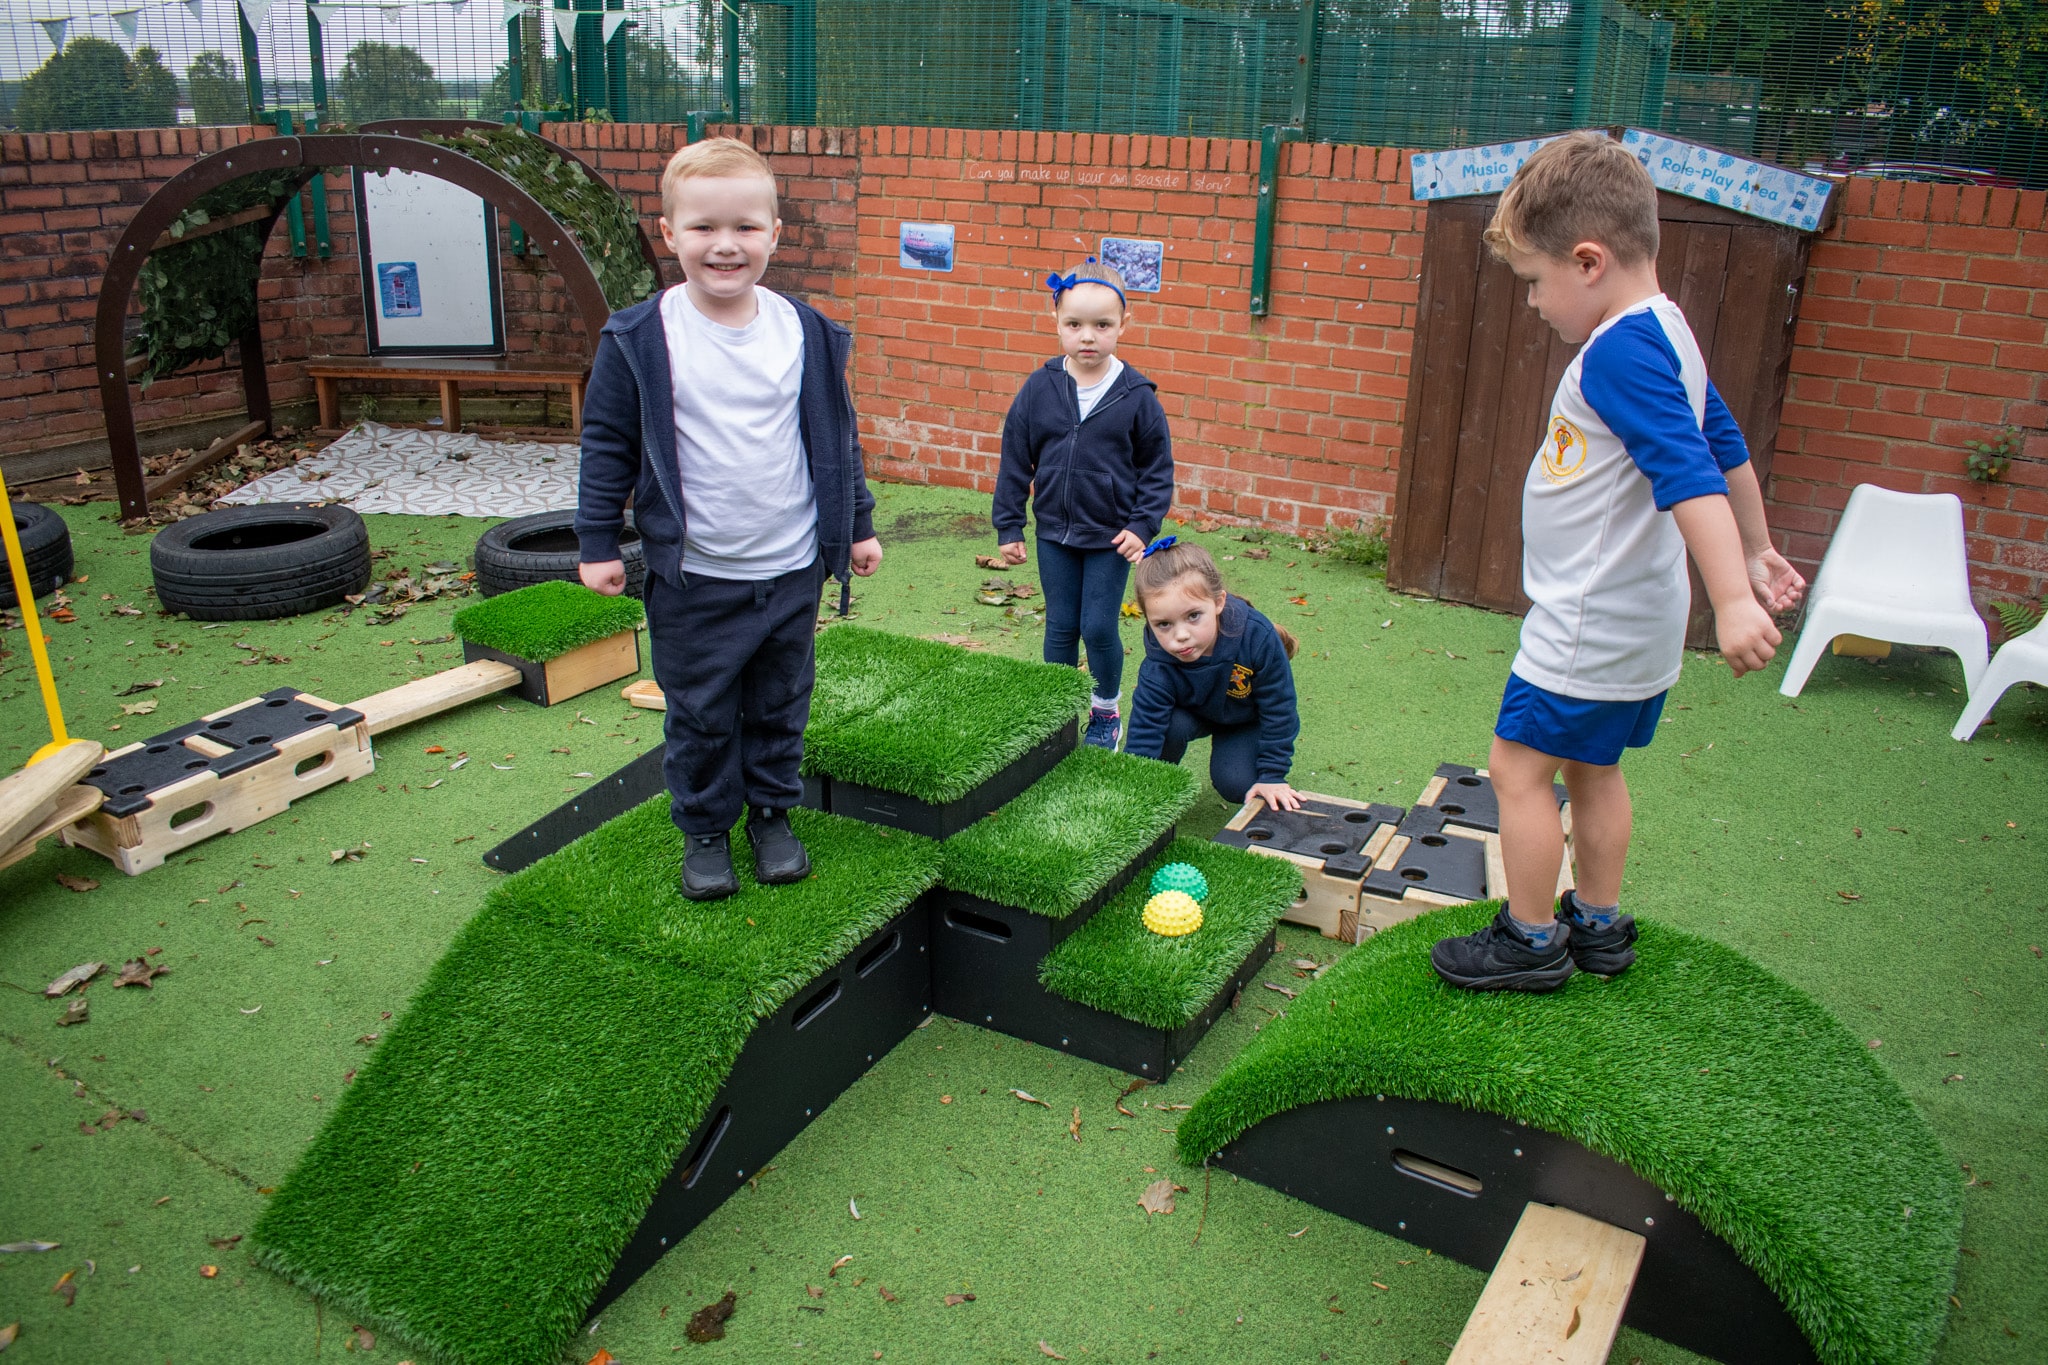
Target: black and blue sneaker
[(1104, 728), (1500, 957), (1602, 949)]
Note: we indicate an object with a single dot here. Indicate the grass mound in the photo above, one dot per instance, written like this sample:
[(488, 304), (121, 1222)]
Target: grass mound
[(929, 720), (547, 620), (1115, 963), (1062, 841), (477, 1181), (1697, 1069)]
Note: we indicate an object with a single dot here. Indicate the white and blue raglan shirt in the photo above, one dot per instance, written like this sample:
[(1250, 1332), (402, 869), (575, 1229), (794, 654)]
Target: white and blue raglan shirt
[(1635, 428)]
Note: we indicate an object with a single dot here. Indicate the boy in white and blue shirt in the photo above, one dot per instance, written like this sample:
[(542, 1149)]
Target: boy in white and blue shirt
[(1641, 462)]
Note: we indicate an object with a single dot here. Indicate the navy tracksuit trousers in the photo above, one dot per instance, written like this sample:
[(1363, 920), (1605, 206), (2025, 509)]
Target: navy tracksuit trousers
[(736, 661)]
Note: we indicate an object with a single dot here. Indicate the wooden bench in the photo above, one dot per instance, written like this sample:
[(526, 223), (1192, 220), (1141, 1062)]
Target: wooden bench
[(450, 372)]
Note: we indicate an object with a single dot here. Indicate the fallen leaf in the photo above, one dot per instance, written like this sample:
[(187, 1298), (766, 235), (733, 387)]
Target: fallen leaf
[(1377, 1285), (223, 1243), (209, 1271), (833, 1273), (66, 1288), (1257, 552), (137, 971), (1158, 1196), (250, 1011), (708, 1322), (361, 1338), (1074, 1128), (963, 641), (853, 1209), (1128, 1091), (138, 708), (1299, 601), (1875, 1044), (948, 1099), (990, 562), (814, 1291), (71, 883), (1572, 1328), (133, 688), (883, 1290), (1048, 1351), (1272, 986), (954, 1300), (1033, 1099), (1849, 895), (30, 1246), (8, 1334), (77, 976), (74, 1013)]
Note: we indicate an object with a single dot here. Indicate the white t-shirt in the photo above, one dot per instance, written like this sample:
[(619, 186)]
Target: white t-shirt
[(749, 511), (1091, 394), (1634, 429)]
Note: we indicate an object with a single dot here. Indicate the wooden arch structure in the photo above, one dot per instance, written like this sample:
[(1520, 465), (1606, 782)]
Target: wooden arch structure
[(302, 157)]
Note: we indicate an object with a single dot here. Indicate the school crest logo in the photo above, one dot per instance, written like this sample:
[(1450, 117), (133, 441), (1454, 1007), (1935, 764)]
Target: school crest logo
[(1564, 453), (1240, 682)]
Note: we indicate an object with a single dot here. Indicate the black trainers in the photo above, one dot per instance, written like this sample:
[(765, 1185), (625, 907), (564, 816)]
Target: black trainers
[(707, 867), (1605, 951), (1499, 958), (779, 856)]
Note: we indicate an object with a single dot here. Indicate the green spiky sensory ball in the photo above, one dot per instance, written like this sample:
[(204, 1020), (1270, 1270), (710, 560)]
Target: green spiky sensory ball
[(1182, 877)]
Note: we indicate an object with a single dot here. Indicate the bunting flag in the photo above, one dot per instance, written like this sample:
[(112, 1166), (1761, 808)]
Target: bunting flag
[(53, 29), (126, 20), (255, 11), (513, 9), (565, 26), (392, 13), (612, 22), (323, 14), (458, 6), (198, 8)]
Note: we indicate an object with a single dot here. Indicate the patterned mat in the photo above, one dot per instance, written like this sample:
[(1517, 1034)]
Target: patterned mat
[(375, 468)]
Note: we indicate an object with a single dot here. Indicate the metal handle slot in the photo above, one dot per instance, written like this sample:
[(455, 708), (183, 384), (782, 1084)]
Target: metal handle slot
[(707, 1148), (1436, 1173), (880, 953), (968, 922), (816, 1005)]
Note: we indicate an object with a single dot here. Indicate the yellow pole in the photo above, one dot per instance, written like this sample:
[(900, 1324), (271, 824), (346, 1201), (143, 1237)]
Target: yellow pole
[(24, 592)]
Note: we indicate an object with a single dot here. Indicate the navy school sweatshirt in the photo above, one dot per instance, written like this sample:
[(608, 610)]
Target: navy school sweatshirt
[(1244, 680), (1087, 480)]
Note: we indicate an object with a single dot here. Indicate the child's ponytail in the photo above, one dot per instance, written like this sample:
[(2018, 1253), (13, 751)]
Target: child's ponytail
[(1287, 640), (1166, 564)]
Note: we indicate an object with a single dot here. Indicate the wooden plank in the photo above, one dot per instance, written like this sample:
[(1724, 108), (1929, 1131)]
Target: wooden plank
[(205, 459), (1528, 380), (1557, 1294), (73, 805), (429, 696), (646, 694), (593, 665), (255, 214), (27, 797), (1475, 470), (514, 372), (1703, 282)]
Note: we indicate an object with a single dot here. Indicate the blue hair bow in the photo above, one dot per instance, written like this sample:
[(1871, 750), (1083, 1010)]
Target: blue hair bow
[(1163, 543), (1060, 284)]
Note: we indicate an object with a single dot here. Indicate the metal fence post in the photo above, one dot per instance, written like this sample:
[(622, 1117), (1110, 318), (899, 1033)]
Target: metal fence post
[(615, 93), (1305, 46), (294, 215), (1586, 14), (252, 67), (515, 63), (565, 63), (729, 52), (1274, 136), (803, 61), (1032, 19)]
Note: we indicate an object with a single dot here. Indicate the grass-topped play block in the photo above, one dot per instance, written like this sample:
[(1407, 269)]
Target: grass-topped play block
[(1116, 993), (591, 1069), (931, 737), (1794, 1203), (563, 638)]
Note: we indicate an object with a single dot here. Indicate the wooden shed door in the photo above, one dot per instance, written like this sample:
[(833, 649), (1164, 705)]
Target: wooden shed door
[(1485, 367)]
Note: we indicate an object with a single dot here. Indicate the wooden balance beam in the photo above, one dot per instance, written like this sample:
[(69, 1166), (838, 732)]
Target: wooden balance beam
[(1556, 1295)]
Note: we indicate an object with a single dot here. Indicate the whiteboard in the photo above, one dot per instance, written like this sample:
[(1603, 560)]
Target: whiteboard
[(429, 253)]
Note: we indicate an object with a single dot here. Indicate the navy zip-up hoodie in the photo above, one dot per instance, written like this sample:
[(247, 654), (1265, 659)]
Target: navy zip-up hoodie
[(631, 397), (1244, 680), (1087, 480)]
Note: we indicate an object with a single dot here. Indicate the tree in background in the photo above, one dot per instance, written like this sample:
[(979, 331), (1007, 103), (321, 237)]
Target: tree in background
[(93, 84), (386, 80), (218, 95)]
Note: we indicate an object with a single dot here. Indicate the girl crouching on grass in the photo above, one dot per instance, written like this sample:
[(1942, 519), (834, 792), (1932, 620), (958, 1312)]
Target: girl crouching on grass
[(1213, 666)]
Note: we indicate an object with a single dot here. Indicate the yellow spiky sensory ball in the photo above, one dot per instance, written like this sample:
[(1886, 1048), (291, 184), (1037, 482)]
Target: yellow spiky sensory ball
[(1171, 914)]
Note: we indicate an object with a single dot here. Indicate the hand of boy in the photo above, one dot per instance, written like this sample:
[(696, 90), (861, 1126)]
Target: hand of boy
[(1012, 552), (1129, 546), (1748, 639), (1778, 586), (867, 556), (608, 577), (1276, 795)]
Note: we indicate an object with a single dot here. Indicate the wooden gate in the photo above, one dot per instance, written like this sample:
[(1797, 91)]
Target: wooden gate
[(1485, 367)]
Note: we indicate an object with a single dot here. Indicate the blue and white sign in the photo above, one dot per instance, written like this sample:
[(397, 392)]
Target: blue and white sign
[(1752, 187)]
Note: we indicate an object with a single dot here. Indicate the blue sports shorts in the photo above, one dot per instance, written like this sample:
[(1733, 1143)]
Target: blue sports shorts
[(1570, 727)]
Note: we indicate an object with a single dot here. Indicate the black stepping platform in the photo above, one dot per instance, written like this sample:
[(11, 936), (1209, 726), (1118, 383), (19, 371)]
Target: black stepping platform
[(1455, 1181), (1324, 830), (794, 1064), (898, 811), (1448, 864)]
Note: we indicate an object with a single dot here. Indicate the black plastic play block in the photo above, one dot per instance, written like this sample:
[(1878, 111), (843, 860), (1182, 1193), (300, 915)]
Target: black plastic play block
[(1447, 864), (898, 811), (249, 734), (607, 800), (1467, 798), (1455, 1180), (1323, 830), (794, 1064)]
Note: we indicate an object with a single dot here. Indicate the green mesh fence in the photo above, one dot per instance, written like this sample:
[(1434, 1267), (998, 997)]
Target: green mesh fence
[(1924, 88)]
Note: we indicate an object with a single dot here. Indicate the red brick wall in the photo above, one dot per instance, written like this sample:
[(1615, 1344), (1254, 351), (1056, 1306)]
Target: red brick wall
[(1924, 325), (1924, 322)]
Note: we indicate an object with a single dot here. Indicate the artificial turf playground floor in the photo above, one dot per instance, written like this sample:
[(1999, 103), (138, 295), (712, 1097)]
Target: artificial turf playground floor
[(1933, 958)]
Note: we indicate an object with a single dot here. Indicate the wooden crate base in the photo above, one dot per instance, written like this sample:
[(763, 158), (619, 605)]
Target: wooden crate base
[(568, 675)]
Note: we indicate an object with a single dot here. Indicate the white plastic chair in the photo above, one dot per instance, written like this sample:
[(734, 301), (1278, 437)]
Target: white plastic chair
[(1896, 571), (2024, 659)]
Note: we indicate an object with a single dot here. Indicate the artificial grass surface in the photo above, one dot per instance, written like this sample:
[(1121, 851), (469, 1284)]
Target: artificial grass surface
[(1702, 1072), (1749, 842), (480, 1177), (1051, 849), (1114, 963), (546, 620), (933, 721)]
